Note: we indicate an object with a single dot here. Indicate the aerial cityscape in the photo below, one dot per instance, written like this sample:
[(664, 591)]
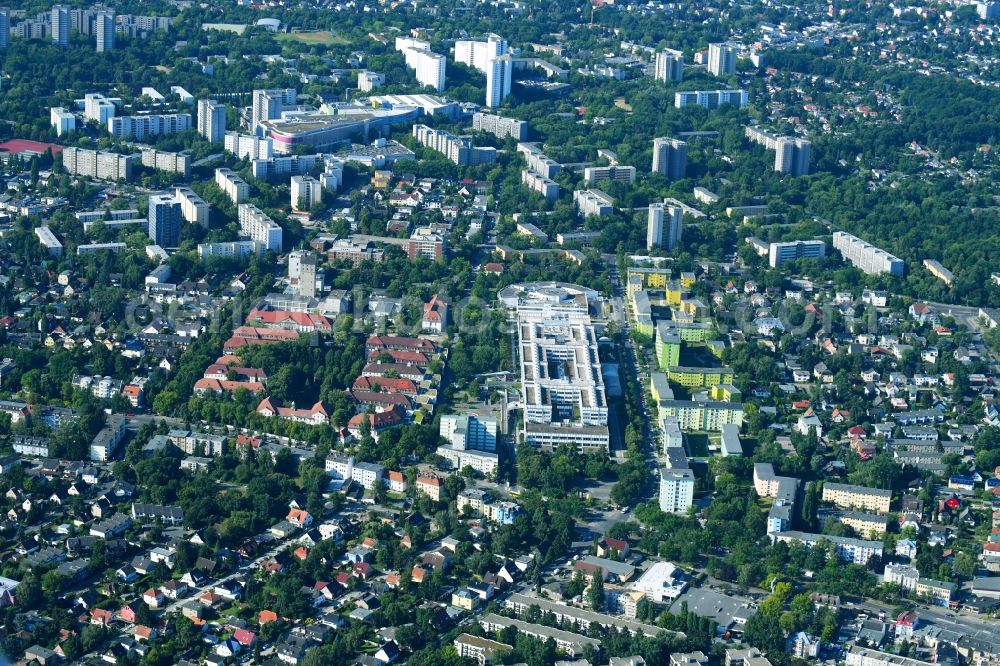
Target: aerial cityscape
[(500, 332)]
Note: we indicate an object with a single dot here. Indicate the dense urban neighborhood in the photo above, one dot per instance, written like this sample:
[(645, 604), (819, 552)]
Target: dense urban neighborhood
[(585, 333)]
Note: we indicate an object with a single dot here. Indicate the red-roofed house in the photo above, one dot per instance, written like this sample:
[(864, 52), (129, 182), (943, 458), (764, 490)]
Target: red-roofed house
[(266, 616), (390, 342), (245, 637), (144, 633), (299, 518), (418, 359), (386, 384), (435, 317), (615, 549), (318, 414), (133, 394), (378, 422), (430, 486), (397, 482), (302, 322)]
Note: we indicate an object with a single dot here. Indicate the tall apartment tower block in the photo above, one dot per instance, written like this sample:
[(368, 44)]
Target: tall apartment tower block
[(60, 25), (104, 26), (663, 227), (670, 157), (721, 59), (498, 74), (669, 66), (211, 120)]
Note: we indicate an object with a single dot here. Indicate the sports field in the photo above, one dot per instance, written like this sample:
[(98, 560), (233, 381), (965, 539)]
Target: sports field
[(324, 37)]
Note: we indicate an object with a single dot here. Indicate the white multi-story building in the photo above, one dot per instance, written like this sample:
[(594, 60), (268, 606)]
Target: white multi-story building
[(179, 163), (466, 431), (427, 66), (664, 226), (791, 156), (269, 104), (457, 149), (4, 27), (368, 81), (367, 474), (232, 185), (779, 253), (858, 551), (60, 25), (478, 54), (193, 208), (866, 257), (669, 66), (593, 175), (104, 27), (49, 241), (670, 157), (339, 466), (107, 442), (538, 161), (332, 177), (62, 120), (676, 490), (97, 164), (211, 120), (98, 108), (860, 656), (546, 187), (259, 227), (247, 147), (276, 167), (484, 462), (593, 202), (499, 71), (499, 126), (710, 99), (140, 127), (721, 59), (562, 384), (230, 250), (306, 193)]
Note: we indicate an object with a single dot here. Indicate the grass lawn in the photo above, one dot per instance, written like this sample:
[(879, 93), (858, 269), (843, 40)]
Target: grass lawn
[(323, 37)]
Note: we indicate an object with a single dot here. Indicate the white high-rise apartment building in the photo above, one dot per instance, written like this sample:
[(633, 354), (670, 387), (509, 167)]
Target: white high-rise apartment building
[(211, 120), (306, 193), (62, 120), (257, 226), (427, 66), (4, 27), (499, 126), (100, 165), (710, 99), (669, 66), (791, 156), (478, 54), (664, 226), (140, 127), (368, 81), (232, 185), (721, 59), (248, 147), (60, 25), (865, 256), (104, 26), (193, 208), (98, 108), (268, 104), (669, 157), (498, 74)]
